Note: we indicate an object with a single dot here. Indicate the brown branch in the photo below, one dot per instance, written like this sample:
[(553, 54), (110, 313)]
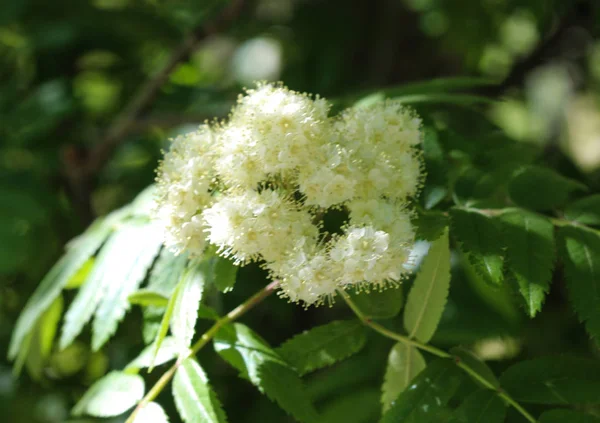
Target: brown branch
[(81, 174), (148, 92)]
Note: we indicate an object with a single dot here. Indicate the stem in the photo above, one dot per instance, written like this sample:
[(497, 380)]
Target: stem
[(204, 339), (437, 352)]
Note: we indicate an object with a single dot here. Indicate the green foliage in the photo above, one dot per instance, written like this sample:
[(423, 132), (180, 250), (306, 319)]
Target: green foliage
[(429, 392), (119, 269), (581, 251), (129, 262), (225, 273), (480, 238), (195, 399), (357, 407), (323, 345), (585, 211), (467, 357), (540, 188), (404, 363), (146, 297), (429, 292), (164, 277), (379, 304), (151, 413), (529, 240), (556, 380), (187, 301), (79, 250), (40, 341), (483, 406), (112, 395), (261, 365), (567, 416), (152, 356)]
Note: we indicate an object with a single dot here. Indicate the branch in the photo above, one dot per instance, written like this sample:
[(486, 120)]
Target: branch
[(437, 352), (80, 173), (145, 96), (204, 339)]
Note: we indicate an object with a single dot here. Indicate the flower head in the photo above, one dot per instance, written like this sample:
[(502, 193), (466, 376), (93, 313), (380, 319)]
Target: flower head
[(257, 187)]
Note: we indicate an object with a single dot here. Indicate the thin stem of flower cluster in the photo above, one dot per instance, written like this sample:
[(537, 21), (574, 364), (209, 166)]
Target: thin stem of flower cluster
[(437, 352), (204, 339)]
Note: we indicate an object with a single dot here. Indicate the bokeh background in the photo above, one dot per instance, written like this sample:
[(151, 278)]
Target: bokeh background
[(69, 70)]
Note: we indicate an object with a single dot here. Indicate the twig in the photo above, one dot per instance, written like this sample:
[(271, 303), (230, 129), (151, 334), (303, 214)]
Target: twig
[(81, 174), (437, 352), (204, 339), (148, 92)]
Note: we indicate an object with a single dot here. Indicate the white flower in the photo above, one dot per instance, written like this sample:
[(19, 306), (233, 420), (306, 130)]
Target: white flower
[(257, 187)]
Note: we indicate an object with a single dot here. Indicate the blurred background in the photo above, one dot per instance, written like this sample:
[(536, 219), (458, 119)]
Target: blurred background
[(81, 129)]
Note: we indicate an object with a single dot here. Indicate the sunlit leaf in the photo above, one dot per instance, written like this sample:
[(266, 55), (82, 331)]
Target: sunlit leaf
[(146, 297), (123, 276), (78, 252), (151, 413), (168, 350), (187, 302), (429, 292), (194, 398), (110, 396)]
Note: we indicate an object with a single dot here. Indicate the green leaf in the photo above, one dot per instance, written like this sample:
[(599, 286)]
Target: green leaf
[(42, 339), (151, 413), (531, 256), (356, 407), (430, 224), (167, 272), (476, 365), (161, 333), (482, 406), (122, 276), (257, 362), (151, 356), (429, 292), (187, 302), (225, 274), (580, 249), (324, 345), (147, 297), (376, 304), (110, 396), (554, 380), (81, 275), (78, 252), (540, 188), (405, 362), (585, 211), (429, 392), (481, 240), (108, 269), (529, 239), (165, 275), (567, 416), (194, 398)]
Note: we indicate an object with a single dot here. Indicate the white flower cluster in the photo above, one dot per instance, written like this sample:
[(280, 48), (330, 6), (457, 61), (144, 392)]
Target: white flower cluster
[(258, 186)]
